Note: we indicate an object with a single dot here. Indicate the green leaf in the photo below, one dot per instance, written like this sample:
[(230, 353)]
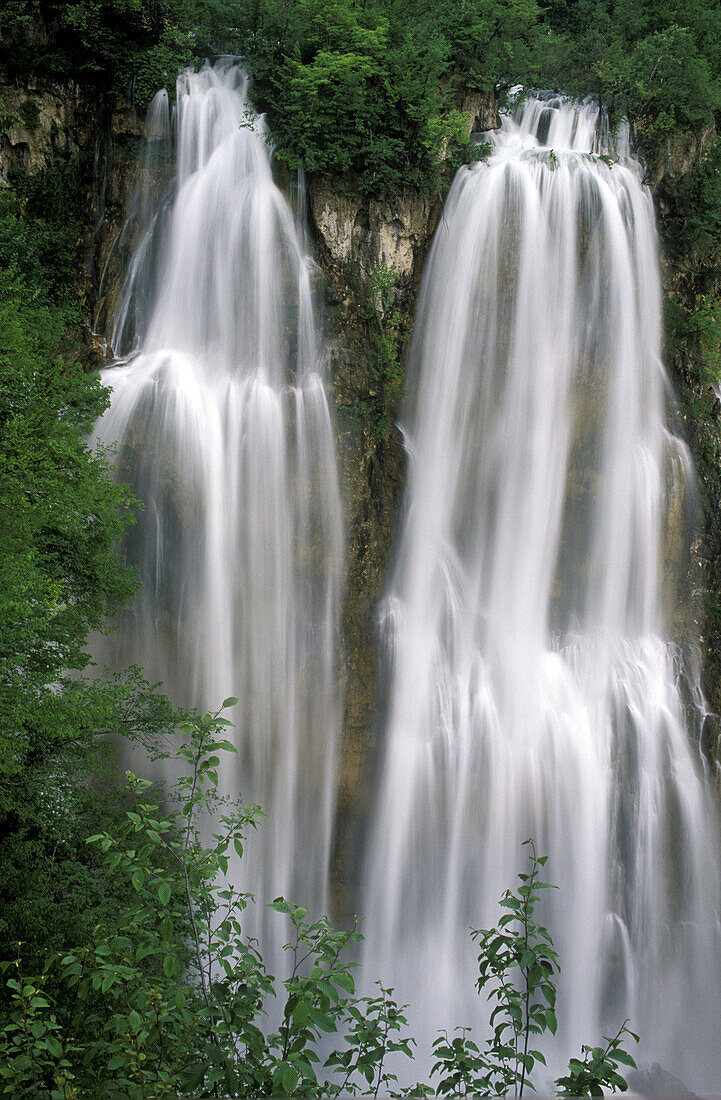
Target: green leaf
[(169, 965), (54, 1046), (345, 981), (195, 1075), (164, 892), (280, 905), (322, 1020), (289, 1079), (229, 702)]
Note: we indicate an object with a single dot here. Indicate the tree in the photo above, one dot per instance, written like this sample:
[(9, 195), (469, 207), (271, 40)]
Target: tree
[(59, 579)]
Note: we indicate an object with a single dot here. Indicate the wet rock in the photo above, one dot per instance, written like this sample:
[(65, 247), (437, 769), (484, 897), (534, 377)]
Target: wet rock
[(364, 233), (654, 1080), (683, 152), (38, 122), (356, 237), (481, 109)]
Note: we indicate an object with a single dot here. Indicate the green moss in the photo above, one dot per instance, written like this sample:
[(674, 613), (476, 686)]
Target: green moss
[(30, 114), (53, 193), (378, 314)]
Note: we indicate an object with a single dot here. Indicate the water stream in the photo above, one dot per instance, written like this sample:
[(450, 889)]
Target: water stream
[(223, 431), (536, 683)]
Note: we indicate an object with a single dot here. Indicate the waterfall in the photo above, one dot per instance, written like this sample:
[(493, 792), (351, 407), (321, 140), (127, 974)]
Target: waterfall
[(535, 686), (223, 431)]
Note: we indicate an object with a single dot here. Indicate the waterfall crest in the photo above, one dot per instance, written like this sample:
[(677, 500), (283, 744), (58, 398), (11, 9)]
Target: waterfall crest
[(223, 431), (534, 686)]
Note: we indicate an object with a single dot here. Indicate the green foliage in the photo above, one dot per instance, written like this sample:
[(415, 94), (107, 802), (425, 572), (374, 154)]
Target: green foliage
[(33, 1048), (351, 89), (39, 255), (129, 46), (74, 38), (517, 962), (59, 578), (657, 63), (517, 965), (696, 333), (361, 89), (693, 232), (599, 1068), (144, 72), (30, 115), (167, 995), (516, 968), (382, 317), (489, 40), (370, 88), (376, 303)]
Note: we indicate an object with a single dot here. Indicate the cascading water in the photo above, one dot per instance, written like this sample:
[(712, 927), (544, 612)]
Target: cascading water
[(534, 689), (224, 433)]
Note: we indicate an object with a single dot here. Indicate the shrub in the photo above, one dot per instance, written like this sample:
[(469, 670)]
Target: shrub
[(168, 996)]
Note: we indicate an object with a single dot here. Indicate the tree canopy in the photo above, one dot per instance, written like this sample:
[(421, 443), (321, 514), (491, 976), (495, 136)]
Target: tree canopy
[(369, 87)]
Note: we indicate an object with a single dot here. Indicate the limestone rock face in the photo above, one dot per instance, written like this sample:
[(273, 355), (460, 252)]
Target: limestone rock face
[(481, 110), (683, 153), (356, 238), (688, 282), (122, 136), (366, 233), (38, 122)]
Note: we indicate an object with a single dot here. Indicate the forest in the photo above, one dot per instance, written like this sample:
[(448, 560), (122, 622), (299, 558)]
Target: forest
[(126, 970)]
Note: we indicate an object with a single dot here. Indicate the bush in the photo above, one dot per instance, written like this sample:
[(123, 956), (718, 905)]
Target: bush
[(59, 578), (168, 996)]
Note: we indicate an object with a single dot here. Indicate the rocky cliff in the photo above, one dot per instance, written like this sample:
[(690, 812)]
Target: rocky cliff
[(693, 290), (356, 240)]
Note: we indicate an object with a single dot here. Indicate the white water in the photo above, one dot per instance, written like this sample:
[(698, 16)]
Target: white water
[(534, 689), (224, 433)]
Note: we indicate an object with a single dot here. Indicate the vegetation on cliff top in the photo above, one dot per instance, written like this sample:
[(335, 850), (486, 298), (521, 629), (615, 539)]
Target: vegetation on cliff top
[(371, 87)]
